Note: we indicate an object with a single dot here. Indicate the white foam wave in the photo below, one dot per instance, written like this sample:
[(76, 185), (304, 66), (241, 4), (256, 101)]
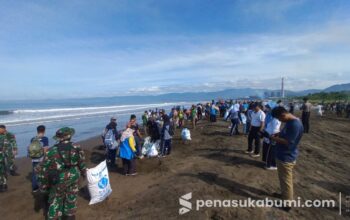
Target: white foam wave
[(90, 108), (58, 114)]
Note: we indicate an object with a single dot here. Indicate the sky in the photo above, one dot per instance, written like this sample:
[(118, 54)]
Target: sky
[(83, 48)]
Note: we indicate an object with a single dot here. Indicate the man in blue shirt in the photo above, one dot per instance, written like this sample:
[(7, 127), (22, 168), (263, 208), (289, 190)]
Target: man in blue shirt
[(44, 141), (287, 149)]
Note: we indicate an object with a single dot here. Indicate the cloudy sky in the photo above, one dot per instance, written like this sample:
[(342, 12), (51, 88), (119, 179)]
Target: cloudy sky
[(81, 48)]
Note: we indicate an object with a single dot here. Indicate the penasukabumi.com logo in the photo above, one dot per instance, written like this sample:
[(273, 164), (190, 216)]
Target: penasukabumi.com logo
[(185, 204)]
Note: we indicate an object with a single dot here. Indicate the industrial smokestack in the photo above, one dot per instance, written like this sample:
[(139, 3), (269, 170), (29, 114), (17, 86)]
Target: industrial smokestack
[(282, 88)]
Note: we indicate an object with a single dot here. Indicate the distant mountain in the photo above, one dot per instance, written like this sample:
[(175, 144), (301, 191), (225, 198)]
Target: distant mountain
[(202, 96), (302, 93), (169, 97), (338, 88)]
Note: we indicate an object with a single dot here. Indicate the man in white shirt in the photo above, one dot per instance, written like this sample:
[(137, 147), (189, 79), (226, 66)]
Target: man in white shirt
[(257, 126), (269, 147)]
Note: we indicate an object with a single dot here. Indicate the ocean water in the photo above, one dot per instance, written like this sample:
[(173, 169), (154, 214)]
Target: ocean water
[(87, 116)]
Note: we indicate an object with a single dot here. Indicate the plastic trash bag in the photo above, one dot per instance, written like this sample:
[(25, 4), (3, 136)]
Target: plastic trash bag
[(186, 134), (152, 152), (99, 185), (150, 149), (146, 145)]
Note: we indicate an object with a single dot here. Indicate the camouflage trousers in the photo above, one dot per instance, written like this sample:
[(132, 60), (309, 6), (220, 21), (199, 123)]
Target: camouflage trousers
[(10, 159), (3, 172), (62, 202)]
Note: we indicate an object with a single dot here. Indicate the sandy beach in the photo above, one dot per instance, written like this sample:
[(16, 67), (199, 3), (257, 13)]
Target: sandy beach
[(212, 166)]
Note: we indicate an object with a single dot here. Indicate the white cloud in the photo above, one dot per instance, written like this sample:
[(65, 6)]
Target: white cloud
[(316, 58)]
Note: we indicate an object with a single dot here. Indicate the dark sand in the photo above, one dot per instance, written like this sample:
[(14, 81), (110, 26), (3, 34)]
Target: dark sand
[(212, 166)]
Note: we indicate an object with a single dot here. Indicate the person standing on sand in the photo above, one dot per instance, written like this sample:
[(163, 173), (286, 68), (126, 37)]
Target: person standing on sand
[(249, 118), (153, 129), (137, 135), (287, 150), (36, 151), (305, 117), (128, 152), (181, 119), (111, 148), (291, 107), (347, 110), (194, 116), (269, 147), (257, 125), (8, 149), (234, 116), (166, 136), (175, 118), (144, 122), (213, 111), (59, 175)]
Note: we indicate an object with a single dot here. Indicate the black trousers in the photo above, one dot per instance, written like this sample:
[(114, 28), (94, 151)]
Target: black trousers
[(129, 166), (305, 118), (111, 155), (165, 148), (269, 154), (254, 136)]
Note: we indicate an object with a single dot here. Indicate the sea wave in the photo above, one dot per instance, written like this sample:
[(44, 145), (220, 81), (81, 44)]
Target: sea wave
[(29, 116), (89, 108), (6, 112)]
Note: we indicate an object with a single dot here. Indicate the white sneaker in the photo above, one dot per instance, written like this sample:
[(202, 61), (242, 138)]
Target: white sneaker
[(271, 168), (255, 155), (249, 152)]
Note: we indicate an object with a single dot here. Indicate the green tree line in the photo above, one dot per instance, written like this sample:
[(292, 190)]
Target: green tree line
[(328, 96)]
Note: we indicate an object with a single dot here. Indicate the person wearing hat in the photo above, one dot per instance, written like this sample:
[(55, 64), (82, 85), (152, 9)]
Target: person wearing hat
[(111, 150), (128, 152), (59, 174)]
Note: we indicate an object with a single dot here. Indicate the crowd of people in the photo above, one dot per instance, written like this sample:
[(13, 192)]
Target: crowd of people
[(57, 169), (341, 109)]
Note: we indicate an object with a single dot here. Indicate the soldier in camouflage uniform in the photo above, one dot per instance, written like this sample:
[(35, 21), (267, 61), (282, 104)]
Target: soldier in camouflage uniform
[(8, 150), (59, 174)]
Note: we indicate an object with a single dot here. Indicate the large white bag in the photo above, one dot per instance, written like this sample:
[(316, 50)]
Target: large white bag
[(99, 185), (186, 134), (153, 152), (146, 146)]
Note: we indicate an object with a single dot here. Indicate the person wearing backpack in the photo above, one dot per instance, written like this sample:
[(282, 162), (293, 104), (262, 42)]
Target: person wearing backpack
[(110, 138), (166, 136), (59, 174), (36, 151)]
